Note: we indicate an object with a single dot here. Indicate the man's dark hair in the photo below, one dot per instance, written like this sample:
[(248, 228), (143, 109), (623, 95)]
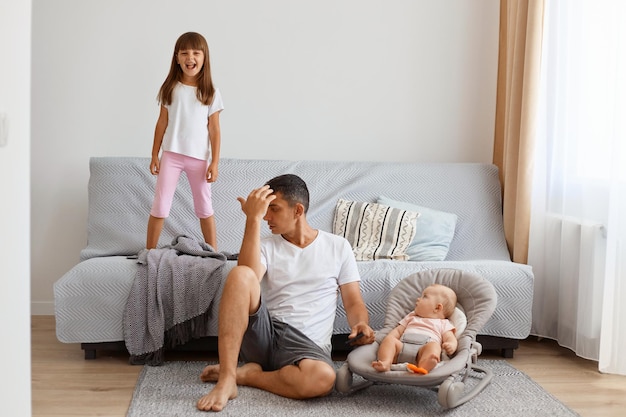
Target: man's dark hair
[(292, 188)]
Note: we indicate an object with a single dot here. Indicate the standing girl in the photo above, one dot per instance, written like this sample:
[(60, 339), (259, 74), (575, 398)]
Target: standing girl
[(188, 133)]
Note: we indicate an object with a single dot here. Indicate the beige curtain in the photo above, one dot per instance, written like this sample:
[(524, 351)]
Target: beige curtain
[(519, 65)]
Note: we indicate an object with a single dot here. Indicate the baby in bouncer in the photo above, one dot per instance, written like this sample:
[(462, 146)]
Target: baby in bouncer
[(422, 334)]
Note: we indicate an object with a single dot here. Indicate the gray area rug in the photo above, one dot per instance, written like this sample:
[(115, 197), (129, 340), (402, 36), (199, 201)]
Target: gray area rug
[(173, 389)]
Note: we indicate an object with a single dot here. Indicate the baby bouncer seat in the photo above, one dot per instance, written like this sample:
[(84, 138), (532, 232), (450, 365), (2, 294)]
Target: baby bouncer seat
[(476, 301)]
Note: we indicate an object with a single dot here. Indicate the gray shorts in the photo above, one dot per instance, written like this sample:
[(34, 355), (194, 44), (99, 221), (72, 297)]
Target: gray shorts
[(274, 344)]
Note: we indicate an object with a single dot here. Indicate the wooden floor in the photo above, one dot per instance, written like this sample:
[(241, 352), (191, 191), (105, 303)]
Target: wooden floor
[(64, 384)]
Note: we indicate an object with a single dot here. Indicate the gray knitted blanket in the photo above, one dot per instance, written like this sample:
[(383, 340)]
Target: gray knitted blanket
[(171, 298)]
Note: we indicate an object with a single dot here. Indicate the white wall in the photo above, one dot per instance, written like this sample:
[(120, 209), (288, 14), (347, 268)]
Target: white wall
[(400, 80), (15, 38)]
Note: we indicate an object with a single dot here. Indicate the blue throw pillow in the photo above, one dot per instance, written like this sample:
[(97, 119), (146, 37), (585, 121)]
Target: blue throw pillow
[(434, 231)]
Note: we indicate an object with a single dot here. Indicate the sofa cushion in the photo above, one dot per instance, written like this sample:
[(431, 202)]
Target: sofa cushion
[(121, 190), (434, 231), (375, 231)]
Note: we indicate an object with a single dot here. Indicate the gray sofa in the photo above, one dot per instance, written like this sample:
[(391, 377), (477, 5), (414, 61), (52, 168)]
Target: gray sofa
[(90, 298)]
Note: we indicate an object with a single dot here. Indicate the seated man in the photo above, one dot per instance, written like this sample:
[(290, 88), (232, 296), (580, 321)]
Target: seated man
[(278, 305)]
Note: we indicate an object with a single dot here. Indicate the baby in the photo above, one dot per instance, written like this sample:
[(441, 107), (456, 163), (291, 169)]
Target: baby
[(426, 331)]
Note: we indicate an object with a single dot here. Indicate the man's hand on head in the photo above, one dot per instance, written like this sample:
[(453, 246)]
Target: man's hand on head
[(257, 202)]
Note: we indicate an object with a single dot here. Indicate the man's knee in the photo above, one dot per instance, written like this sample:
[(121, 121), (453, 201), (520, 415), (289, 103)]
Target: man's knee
[(242, 276), (327, 381), (320, 380), (242, 286)]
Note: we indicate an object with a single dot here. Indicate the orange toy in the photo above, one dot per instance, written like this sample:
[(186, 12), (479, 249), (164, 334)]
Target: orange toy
[(416, 369)]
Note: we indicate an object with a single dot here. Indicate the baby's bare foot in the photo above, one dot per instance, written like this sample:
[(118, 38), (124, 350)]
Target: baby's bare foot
[(380, 366), (210, 373)]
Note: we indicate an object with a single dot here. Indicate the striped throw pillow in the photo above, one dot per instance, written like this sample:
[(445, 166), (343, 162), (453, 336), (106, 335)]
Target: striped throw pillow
[(375, 231)]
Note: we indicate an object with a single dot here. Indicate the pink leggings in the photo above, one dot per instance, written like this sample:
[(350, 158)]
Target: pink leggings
[(172, 164)]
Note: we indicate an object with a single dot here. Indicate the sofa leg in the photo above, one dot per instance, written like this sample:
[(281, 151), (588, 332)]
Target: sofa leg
[(91, 348), (507, 353), (504, 345)]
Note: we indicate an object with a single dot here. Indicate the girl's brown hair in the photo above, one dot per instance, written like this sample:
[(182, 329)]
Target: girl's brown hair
[(204, 88)]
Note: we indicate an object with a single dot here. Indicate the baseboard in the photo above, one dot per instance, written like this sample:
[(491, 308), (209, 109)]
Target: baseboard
[(42, 308)]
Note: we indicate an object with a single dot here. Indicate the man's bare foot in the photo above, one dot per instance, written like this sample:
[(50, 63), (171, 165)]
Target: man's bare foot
[(210, 373), (217, 398), (246, 370), (380, 366)]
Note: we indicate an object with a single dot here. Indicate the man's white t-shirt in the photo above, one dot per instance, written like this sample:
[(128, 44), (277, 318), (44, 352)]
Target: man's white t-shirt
[(187, 130), (301, 285)]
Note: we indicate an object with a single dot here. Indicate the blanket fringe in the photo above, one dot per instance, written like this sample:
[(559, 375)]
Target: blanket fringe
[(181, 333)]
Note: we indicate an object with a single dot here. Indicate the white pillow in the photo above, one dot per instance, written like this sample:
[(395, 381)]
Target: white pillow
[(459, 320), (375, 231)]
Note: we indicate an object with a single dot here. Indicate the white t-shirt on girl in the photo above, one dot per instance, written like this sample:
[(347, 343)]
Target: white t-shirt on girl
[(301, 285), (187, 130)]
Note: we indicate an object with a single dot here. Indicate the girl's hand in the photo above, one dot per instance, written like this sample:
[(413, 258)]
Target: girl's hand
[(155, 166), (211, 173)]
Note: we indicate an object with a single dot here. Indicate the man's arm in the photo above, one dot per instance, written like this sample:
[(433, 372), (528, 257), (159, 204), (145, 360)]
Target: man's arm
[(254, 207), (356, 312)]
